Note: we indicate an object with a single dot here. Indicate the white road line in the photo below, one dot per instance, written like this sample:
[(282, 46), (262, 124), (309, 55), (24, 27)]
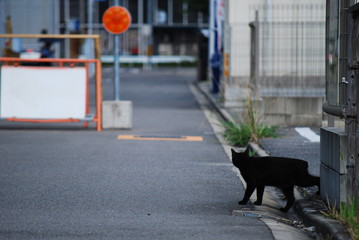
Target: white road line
[(308, 134)]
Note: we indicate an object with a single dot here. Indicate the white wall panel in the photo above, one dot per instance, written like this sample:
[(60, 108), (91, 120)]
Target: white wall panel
[(43, 92)]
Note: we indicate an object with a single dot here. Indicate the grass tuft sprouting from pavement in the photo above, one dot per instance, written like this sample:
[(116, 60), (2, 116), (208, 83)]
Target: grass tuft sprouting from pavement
[(240, 134), (348, 214)]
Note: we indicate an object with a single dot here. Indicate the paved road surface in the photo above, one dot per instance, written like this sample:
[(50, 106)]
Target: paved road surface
[(291, 144), (66, 182)]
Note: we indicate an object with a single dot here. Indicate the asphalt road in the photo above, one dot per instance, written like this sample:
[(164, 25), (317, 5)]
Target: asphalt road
[(291, 144), (61, 181)]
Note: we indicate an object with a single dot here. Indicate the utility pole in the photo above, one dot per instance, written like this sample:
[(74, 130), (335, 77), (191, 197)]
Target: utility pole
[(350, 29)]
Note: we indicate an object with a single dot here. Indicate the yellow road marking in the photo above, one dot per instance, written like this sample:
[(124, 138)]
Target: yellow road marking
[(169, 138)]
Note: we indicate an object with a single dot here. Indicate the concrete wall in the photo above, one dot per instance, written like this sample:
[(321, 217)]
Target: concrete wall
[(333, 172), (276, 110), (291, 111)]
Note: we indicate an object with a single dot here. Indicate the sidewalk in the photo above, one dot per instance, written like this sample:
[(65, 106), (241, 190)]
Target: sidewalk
[(307, 207)]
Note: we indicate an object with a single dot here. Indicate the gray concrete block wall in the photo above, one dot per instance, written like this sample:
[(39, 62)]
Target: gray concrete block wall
[(333, 177), (290, 111), (297, 108), (333, 148), (332, 186)]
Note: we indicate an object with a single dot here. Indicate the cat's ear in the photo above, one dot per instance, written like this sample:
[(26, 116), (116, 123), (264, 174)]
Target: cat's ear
[(233, 152)]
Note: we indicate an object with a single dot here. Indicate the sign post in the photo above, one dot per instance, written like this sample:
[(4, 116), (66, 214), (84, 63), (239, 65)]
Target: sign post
[(117, 114), (116, 20)]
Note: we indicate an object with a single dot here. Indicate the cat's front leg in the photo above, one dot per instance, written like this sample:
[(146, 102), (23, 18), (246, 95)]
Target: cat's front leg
[(247, 194), (260, 191)]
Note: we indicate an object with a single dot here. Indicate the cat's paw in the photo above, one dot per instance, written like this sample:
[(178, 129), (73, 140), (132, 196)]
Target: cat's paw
[(242, 202), (257, 202)]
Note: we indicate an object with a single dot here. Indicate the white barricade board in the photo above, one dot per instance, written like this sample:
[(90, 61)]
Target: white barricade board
[(43, 92)]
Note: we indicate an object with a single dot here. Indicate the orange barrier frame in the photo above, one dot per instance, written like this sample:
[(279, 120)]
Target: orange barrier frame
[(98, 83), (96, 38)]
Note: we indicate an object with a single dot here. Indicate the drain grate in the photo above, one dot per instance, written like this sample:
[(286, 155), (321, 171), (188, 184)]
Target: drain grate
[(161, 138)]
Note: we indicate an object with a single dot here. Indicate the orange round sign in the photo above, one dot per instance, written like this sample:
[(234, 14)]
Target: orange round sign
[(116, 19)]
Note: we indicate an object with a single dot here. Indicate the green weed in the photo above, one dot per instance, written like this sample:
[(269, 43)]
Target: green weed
[(240, 134), (237, 135), (348, 214)]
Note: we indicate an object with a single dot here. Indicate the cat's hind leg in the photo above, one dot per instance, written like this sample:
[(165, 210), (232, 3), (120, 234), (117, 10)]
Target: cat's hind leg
[(288, 192), (260, 191), (247, 194)]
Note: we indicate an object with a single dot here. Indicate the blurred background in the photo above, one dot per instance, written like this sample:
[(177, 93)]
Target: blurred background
[(272, 50)]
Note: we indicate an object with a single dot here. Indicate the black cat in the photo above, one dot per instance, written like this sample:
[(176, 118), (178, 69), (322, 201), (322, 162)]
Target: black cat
[(280, 172)]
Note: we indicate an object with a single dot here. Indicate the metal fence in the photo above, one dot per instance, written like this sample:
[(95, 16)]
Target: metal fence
[(291, 49)]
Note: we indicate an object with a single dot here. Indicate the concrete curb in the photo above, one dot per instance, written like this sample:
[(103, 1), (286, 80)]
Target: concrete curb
[(221, 110), (311, 213), (327, 228), (308, 210)]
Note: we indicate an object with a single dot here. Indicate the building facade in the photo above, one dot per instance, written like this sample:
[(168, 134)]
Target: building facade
[(159, 27)]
